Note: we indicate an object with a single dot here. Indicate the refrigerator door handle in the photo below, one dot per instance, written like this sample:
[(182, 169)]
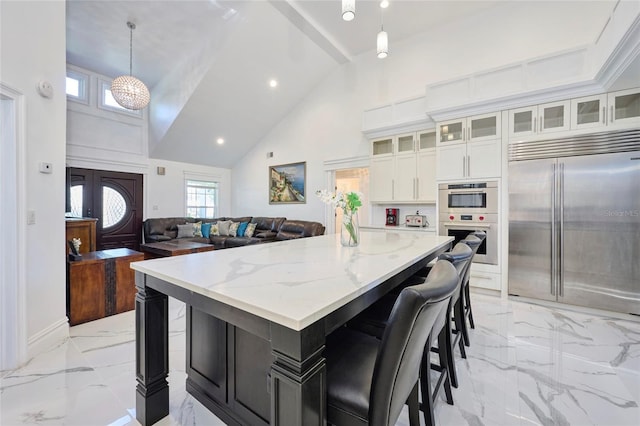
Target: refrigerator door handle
[(561, 234), (553, 230)]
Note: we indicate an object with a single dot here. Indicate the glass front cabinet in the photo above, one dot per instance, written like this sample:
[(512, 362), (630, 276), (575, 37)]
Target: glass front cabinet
[(624, 107), (539, 119), (469, 129)]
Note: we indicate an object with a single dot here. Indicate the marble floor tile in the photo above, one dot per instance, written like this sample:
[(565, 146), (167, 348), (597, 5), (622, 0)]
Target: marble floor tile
[(527, 365)]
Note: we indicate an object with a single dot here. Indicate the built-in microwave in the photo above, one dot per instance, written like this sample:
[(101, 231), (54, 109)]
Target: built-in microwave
[(479, 197)]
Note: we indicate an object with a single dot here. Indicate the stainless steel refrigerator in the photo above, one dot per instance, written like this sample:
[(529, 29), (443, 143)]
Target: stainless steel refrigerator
[(574, 220)]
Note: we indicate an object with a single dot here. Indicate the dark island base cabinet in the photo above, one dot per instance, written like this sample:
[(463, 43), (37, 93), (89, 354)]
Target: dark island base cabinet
[(228, 369)]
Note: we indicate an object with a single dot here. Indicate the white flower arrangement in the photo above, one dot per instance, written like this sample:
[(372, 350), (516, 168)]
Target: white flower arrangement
[(349, 202)]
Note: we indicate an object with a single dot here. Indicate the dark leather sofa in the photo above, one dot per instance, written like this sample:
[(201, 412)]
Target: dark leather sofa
[(268, 229)]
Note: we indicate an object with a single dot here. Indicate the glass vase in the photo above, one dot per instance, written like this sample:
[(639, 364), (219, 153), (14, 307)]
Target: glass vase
[(350, 229)]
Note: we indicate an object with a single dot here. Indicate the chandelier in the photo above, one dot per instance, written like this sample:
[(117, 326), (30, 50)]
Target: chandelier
[(128, 91)]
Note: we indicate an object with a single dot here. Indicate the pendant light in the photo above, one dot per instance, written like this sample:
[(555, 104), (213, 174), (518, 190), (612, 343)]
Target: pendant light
[(383, 40), (128, 91), (348, 10)]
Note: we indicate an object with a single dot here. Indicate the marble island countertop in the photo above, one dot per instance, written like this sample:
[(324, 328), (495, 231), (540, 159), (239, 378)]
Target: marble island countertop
[(296, 282)]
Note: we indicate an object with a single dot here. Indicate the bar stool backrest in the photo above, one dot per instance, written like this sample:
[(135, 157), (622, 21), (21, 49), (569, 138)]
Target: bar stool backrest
[(409, 328)]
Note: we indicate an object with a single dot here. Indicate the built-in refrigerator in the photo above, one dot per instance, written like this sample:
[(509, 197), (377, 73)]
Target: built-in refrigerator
[(574, 220)]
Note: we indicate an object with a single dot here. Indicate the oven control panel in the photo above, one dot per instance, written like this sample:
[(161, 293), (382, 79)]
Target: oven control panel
[(467, 217)]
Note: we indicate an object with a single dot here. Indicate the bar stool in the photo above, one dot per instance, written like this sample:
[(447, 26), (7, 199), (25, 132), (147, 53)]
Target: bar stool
[(369, 380), (470, 241)]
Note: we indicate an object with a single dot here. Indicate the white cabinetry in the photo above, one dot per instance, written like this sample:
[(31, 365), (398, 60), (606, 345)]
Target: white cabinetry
[(624, 107), (406, 171), (469, 147), (539, 119)]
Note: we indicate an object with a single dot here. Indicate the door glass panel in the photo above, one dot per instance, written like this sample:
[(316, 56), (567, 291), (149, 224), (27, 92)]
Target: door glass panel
[(76, 200), (589, 112), (113, 207), (405, 144), (384, 146), (553, 117), (627, 106), (427, 140), (522, 121), (451, 132), (483, 127)]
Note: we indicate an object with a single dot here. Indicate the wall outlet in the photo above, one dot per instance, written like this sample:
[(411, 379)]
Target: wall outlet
[(31, 217), (46, 168)]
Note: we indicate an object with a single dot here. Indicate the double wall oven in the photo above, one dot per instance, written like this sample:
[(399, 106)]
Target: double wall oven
[(469, 207)]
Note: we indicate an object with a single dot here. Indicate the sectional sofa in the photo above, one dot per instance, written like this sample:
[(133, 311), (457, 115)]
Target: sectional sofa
[(247, 230)]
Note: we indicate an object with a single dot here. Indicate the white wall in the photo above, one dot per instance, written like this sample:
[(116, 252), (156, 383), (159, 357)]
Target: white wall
[(33, 49), (165, 194), (326, 125)]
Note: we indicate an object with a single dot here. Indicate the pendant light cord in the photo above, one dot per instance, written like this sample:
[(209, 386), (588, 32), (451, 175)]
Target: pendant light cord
[(131, 26)]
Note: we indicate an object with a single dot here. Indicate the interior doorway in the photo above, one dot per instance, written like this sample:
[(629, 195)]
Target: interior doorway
[(13, 333), (114, 198), (356, 180)]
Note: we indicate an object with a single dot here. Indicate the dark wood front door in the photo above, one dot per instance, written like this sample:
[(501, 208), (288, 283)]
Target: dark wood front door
[(115, 199)]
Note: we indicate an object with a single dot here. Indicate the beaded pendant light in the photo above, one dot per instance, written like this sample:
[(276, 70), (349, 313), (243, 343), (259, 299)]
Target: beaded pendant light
[(128, 91)]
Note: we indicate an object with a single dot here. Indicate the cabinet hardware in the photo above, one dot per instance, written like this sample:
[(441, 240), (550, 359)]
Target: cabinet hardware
[(417, 188), (604, 115), (541, 119), (468, 165), (611, 118), (464, 166), (469, 133), (414, 188)]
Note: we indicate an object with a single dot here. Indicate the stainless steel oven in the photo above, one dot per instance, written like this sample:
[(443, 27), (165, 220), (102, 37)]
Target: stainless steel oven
[(468, 207), (479, 197)]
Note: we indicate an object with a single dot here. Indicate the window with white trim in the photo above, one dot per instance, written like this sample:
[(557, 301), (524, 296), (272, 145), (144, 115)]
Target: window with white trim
[(202, 199), (77, 86)]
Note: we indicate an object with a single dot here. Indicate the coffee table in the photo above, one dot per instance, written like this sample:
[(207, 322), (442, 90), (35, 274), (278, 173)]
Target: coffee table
[(173, 248)]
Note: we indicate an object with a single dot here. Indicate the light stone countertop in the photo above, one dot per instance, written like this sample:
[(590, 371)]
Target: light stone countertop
[(294, 283), (402, 227)]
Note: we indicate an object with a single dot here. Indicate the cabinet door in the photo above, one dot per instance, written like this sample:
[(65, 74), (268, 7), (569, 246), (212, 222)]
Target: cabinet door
[(588, 112), (483, 127), (426, 140), (452, 161), (405, 143), (405, 178), (483, 159), (453, 131), (522, 122), (427, 189), (624, 107), (553, 117), (382, 147), (381, 179)]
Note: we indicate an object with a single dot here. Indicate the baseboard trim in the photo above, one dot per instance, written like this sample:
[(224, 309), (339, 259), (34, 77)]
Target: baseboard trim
[(48, 337)]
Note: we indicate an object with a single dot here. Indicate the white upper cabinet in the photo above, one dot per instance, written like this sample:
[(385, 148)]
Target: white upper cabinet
[(403, 168), (382, 147), (469, 129), (539, 119), (624, 107), (589, 112)]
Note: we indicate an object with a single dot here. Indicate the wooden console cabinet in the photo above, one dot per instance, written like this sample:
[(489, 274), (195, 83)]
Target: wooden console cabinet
[(100, 284), (83, 228)]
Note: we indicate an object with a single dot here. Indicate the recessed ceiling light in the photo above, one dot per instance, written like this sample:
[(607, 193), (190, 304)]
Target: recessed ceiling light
[(384, 4), (220, 141), (273, 83)]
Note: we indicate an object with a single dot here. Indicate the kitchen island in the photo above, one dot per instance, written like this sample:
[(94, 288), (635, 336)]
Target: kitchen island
[(257, 318)]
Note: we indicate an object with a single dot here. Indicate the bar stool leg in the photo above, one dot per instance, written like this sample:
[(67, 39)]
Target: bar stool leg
[(469, 311)]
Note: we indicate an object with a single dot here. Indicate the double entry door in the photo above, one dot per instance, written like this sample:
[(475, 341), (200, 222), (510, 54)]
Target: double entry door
[(114, 198)]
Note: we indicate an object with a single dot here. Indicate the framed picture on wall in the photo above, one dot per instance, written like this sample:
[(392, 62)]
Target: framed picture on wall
[(287, 183)]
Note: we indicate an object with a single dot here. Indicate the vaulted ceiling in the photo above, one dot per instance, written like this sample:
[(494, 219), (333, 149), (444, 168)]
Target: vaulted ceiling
[(208, 62)]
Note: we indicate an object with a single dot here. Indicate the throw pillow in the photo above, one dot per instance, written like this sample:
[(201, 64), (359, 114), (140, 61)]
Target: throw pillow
[(214, 229), (206, 230), (185, 231), (251, 228), (223, 227), (233, 228), (197, 229), (242, 228)]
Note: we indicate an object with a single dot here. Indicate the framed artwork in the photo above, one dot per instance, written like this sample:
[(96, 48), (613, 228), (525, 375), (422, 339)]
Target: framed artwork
[(287, 183)]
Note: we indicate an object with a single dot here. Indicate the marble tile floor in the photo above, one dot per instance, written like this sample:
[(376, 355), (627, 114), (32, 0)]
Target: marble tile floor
[(527, 365)]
